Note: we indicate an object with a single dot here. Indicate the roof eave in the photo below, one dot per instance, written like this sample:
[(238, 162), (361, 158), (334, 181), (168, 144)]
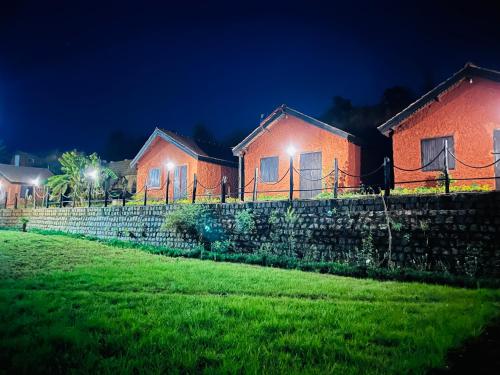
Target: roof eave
[(160, 133), (467, 71)]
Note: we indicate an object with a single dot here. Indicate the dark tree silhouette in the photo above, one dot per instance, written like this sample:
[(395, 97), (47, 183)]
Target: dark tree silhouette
[(202, 133), (121, 145), (362, 121)]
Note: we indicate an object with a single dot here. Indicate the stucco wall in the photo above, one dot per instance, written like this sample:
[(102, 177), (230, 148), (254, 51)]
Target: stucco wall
[(305, 138), (12, 190), (160, 152), (469, 112), (435, 231)]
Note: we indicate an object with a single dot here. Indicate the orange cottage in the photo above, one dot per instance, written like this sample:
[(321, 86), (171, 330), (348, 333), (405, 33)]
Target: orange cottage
[(17, 184), (182, 158), (464, 111), (314, 145)]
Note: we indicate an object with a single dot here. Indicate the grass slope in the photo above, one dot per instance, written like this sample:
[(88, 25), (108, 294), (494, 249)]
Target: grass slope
[(70, 305)]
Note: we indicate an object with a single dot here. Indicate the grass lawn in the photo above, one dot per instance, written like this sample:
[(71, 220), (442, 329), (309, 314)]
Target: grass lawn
[(71, 305)]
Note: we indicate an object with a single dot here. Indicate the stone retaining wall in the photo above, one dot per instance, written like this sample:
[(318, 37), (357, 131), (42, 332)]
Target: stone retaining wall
[(456, 232)]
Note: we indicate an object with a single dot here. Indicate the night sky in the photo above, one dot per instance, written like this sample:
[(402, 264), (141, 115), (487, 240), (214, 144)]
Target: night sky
[(73, 72)]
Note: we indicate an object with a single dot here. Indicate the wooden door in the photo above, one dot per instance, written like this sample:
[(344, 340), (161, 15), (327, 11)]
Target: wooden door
[(180, 182), (496, 150), (310, 173)]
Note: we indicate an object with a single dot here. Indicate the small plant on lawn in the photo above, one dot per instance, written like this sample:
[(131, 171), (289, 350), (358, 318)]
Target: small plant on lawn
[(24, 222), (244, 222)]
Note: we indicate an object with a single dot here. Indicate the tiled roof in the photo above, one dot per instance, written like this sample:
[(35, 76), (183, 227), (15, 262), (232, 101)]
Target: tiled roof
[(198, 149), (23, 175), (122, 167), (278, 113), (468, 71)]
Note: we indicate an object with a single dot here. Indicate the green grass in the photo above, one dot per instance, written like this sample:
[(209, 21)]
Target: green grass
[(73, 305)]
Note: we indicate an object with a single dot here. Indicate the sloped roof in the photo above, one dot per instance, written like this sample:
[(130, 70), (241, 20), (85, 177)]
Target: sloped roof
[(122, 167), (198, 149), (23, 175), (283, 110), (468, 71)]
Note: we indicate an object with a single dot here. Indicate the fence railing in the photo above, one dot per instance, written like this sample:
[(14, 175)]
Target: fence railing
[(220, 192)]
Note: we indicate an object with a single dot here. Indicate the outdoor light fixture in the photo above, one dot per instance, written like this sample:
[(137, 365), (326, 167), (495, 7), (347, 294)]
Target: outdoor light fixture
[(92, 173), (170, 165), (290, 150), (36, 182)]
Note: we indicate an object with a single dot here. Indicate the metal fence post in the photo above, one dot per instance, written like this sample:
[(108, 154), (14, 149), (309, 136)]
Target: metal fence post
[(241, 177), (15, 201), (6, 196), (61, 200), (106, 193), (387, 176), (255, 179), (123, 197), (90, 195), (223, 190), (47, 197), (446, 171), (167, 186), (145, 195), (290, 196), (26, 199), (335, 178), (195, 187)]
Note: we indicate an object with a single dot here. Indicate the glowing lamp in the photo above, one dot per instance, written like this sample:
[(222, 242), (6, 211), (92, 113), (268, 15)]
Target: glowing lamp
[(92, 173), (170, 165), (291, 150)]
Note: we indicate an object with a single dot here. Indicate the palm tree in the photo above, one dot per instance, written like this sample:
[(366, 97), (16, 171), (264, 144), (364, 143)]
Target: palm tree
[(79, 173)]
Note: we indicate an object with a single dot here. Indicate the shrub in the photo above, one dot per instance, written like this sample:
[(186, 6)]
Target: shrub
[(244, 221), (193, 220)]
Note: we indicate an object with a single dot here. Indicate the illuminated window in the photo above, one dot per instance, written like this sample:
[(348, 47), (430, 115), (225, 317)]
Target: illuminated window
[(154, 178)]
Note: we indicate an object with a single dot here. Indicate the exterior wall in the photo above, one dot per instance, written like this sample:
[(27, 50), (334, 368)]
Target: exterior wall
[(305, 138), (436, 231), (210, 175), (13, 189), (160, 152), (469, 112)]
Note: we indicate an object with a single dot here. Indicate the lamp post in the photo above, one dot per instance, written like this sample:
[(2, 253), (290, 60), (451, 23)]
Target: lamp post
[(36, 184), (92, 175), (170, 166), (291, 152)]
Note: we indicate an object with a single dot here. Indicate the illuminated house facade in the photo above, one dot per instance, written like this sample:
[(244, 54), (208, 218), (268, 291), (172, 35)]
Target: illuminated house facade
[(17, 183), (184, 157), (314, 145), (465, 111)]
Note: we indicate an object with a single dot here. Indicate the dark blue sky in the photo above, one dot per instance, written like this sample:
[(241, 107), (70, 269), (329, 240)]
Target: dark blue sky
[(72, 72)]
